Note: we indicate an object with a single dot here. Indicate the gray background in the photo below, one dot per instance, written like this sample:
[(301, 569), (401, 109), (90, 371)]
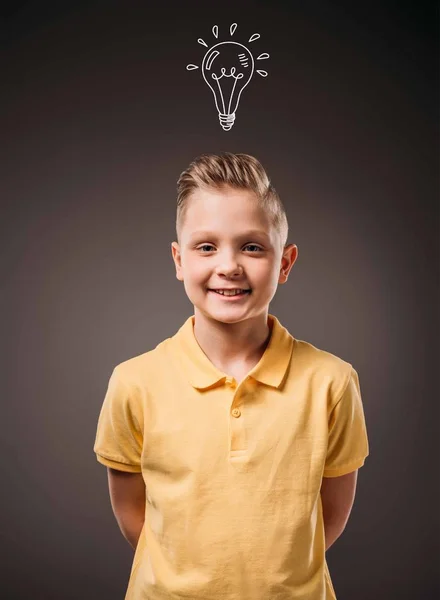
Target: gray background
[(98, 118)]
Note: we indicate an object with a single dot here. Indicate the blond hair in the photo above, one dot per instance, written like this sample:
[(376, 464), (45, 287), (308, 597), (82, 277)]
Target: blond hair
[(240, 171)]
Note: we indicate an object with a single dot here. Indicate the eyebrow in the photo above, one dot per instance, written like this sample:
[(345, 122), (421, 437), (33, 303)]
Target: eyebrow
[(245, 234)]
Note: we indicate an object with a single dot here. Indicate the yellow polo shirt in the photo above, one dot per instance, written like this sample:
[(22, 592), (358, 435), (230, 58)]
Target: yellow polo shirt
[(232, 470)]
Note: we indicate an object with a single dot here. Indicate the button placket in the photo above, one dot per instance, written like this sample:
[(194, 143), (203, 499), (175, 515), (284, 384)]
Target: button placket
[(231, 382), (237, 429)]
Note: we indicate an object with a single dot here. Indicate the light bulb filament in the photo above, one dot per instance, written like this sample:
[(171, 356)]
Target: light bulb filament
[(239, 76)]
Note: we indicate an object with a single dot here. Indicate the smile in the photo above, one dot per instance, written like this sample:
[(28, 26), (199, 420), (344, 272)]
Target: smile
[(231, 294)]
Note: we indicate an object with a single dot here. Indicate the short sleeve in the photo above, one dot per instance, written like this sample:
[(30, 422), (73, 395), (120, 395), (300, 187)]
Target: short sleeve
[(119, 435), (347, 433)]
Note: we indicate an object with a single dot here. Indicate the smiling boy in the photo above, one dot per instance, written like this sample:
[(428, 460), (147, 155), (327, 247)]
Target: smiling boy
[(232, 448)]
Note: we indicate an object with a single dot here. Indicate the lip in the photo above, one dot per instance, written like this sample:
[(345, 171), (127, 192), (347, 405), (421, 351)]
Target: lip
[(230, 298)]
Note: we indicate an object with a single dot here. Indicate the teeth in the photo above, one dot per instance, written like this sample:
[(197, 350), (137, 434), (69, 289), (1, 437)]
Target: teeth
[(229, 292)]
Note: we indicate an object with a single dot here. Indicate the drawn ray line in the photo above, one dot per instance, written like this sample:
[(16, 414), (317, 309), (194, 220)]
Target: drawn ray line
[(263, 56), (215, 31), (202, 42), (233, 28), (254, 37)]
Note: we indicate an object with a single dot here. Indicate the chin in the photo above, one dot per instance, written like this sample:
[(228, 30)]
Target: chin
[(225, 315)]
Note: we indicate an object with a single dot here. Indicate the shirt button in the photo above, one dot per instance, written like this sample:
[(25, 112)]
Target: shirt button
[(236, 412)]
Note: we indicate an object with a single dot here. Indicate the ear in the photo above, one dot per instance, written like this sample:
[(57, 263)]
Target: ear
[(175, 252), (290, 254)]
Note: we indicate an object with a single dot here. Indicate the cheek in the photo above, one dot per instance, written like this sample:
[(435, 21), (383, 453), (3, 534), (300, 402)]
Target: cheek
[(196, 271), (264, 272)]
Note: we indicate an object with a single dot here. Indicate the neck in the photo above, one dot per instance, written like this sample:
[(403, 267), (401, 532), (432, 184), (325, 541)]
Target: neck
[(232, 344)]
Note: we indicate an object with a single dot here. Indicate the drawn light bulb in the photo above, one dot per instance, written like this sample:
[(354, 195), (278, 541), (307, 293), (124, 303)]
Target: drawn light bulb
[(227, 68)]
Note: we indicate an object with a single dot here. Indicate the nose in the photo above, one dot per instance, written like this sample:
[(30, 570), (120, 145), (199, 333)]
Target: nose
[(229, 266)]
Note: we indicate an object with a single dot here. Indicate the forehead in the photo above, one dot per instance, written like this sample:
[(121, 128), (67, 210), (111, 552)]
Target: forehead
[(227, 210)]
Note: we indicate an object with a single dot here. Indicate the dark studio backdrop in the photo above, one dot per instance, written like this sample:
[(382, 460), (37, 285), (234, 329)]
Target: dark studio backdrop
[(98, 118)]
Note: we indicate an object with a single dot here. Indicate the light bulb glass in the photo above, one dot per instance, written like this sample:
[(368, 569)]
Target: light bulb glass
[(227, 68)]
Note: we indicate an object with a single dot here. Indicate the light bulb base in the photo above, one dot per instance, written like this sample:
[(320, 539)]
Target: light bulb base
[(226, 121)]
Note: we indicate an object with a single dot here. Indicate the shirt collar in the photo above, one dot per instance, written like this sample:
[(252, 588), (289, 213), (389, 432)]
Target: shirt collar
[(202, 373)]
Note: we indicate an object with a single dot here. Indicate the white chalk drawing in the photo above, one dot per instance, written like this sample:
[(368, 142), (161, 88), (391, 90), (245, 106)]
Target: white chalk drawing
[(227, 68)]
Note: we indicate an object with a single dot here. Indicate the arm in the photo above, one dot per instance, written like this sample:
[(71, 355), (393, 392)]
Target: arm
[(127, 496), (337, 496)]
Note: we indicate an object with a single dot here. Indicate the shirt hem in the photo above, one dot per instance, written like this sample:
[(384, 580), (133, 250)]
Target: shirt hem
[(114, 464), (344, 470)]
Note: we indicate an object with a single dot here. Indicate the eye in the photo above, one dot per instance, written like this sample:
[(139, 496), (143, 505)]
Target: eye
[(205, 246), (255, 246), (247, 246)]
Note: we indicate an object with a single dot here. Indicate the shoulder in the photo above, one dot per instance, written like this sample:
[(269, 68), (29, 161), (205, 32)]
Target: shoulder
[(319, 358), (135, 371), (322, 366)]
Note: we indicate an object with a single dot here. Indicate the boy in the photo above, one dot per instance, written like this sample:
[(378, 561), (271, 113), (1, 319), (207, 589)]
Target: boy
[(232, 448)]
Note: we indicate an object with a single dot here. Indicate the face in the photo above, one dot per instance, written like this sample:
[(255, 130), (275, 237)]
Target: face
[(227, 241)]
